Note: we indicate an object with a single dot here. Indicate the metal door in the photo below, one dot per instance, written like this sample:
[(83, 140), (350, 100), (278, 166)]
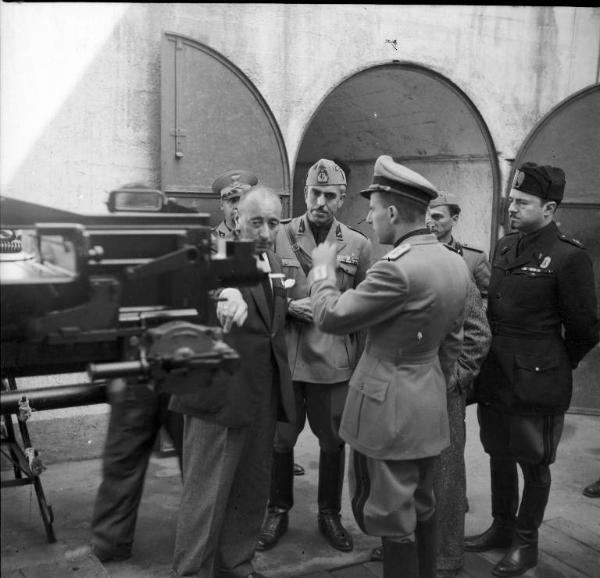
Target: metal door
[(213, 119)]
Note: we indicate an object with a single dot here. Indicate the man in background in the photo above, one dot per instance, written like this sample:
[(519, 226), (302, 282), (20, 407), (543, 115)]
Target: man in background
[(543, 315), (442, 215), (321, 363)]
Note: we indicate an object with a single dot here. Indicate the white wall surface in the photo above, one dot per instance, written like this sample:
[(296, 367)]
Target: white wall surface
[(80, 84)]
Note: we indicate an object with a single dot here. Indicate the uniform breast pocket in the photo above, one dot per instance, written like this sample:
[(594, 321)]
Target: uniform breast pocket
[(346, 273), (536, 380), (533, 290)]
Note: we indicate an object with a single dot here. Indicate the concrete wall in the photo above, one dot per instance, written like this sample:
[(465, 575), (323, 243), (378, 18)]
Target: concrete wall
[(80, 83), (80, 90)]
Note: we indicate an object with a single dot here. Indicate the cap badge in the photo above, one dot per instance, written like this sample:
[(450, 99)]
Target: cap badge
[(519, 178), (322, 176), (544, 264)]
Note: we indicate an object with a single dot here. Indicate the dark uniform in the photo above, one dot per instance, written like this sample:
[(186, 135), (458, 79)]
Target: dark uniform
[(543, 316)]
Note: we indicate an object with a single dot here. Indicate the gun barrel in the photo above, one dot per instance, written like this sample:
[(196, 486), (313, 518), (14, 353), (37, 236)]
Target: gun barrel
[(117, 369), (56, 397)]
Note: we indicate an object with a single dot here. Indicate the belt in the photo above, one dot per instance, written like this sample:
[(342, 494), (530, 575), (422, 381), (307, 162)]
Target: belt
[(520, 332), (399, 356)]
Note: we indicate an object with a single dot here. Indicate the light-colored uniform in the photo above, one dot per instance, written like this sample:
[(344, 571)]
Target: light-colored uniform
[(477, 262), (314, 356), (412, 304)]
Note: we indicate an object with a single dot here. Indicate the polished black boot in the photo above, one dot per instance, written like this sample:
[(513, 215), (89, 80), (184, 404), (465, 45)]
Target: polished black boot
[(281, 501), (505, 501), (400, 559), (331, 479), (498, 535), (426, 538), (522, 555)]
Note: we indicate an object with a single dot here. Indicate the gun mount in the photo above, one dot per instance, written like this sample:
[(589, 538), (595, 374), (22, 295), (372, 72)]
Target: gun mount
[(118, 295)]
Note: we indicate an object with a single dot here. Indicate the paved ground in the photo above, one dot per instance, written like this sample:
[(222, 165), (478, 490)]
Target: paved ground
[(570, 536)]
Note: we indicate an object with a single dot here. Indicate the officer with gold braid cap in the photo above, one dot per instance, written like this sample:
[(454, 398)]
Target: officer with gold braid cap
[(412, 304)]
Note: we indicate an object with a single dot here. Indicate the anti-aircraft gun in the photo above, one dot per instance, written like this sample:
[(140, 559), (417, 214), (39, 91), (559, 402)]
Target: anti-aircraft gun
[(127, 294)]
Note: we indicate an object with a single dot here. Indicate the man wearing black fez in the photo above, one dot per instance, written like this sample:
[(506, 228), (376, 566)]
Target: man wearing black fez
[(543, 316), (412, 305)]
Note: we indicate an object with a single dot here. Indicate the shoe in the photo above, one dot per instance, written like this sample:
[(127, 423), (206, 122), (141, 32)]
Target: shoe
[(517, 560), (496, 536), (331, 527), (298, 470), (377, 554), (593, 490), (275, 526), (119, 554)]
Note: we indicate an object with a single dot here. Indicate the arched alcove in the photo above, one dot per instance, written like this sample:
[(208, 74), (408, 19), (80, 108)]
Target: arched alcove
[(423, 121)]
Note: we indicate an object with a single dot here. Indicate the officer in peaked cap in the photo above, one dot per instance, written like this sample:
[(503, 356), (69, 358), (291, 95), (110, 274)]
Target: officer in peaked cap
[(321, 363), (230, 186), (542, 309), (442, 215), (412, 304)]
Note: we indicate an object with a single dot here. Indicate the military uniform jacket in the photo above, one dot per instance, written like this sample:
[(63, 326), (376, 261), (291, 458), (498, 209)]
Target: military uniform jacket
[(231, 400), (477, 263), (543, 317), (317, 357), (412, 304)]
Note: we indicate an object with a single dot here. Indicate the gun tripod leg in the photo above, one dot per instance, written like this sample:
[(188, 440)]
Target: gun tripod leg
[(21, 466)]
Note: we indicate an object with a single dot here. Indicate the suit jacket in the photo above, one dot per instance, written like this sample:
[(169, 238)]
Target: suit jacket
[(318, 357), (542, 310), (412, 304), (231, 400)]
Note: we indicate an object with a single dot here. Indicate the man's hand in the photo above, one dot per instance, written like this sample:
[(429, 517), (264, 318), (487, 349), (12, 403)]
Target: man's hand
[(301, 309), (324, 254), (232, 309)]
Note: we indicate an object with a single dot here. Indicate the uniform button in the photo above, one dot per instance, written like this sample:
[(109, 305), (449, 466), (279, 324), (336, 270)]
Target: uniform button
[(537, 368)]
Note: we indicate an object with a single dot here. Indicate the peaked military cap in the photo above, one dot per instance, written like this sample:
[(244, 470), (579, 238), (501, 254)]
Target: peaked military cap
[(543, 181), (325, 172), (233, 183), (444, 198), (392, 177)]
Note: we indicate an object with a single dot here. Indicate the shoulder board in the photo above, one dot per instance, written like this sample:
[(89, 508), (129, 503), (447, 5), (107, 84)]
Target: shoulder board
[(357, 231), (285, 221), (397, 252), (571, 240), (465, 246)]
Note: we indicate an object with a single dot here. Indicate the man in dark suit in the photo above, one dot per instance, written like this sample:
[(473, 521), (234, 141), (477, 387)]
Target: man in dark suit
[(543, 315), (228, 433)]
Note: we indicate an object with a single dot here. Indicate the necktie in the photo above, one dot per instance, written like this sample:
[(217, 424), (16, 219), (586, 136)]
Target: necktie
[(266, 283)]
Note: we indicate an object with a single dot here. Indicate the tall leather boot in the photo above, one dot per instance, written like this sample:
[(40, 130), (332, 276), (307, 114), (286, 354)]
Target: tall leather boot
[(426, 538), (400, 560), (523, 553), (505, 501), (331, 480), (281, 500)]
